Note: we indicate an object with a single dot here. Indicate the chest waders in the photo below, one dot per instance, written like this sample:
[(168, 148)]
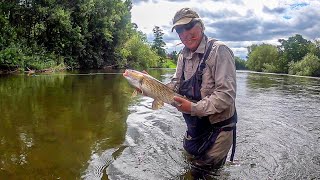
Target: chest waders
[(201, 134)]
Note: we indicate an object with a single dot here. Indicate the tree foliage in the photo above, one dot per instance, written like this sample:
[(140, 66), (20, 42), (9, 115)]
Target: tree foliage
[(294, 56), (314, 48), (138, 54), (158, 42), (295, 48), (240, 63), (308, 66), (85, 34), (174, 56), (261, 56)]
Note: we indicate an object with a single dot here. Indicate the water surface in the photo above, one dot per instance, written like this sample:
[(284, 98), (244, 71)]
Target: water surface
[(86, 126)]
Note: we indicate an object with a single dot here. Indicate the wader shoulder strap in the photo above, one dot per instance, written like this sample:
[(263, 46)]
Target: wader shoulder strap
[(206, 55), (182, 74)]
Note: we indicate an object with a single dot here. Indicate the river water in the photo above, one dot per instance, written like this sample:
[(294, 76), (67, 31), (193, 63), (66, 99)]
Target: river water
[(87, 126)]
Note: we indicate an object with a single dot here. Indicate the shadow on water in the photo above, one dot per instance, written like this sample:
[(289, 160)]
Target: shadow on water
[(85, 125)]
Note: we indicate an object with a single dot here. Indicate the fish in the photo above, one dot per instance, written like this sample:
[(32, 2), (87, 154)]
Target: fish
[(151, 87)]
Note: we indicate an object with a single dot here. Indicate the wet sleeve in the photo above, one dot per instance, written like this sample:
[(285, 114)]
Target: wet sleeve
[(224, 94)]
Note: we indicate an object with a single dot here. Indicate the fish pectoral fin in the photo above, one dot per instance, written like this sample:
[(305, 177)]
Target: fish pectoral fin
[(135, 93), (156, 104)]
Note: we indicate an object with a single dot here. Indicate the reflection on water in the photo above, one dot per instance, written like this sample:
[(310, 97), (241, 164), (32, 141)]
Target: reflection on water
[(86, 126), (51, 124)]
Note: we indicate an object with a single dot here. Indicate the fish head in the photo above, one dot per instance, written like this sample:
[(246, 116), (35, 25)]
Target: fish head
[(135, 78)]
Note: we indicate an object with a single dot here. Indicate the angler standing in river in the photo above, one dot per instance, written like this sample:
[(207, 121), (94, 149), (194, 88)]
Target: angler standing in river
[(205, 74)]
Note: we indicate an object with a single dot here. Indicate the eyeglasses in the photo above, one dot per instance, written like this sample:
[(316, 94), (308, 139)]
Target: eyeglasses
[(186, 27)]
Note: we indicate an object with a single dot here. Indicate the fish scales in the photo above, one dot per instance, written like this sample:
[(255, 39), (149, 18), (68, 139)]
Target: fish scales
[(160, 91), (151, 87)]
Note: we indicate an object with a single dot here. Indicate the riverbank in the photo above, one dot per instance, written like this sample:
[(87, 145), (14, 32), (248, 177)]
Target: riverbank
[(59, 68)]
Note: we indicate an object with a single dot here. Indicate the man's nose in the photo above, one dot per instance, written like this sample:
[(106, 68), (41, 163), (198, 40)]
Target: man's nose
[(185, 35)]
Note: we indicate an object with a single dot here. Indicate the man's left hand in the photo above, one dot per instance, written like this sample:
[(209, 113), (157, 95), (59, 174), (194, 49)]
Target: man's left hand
[(182, 104)]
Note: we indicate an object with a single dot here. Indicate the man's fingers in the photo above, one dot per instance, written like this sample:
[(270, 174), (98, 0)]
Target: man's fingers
[(177, 99)]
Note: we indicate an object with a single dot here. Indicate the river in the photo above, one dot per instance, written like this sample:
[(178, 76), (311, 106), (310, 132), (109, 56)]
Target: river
[(87, 126)]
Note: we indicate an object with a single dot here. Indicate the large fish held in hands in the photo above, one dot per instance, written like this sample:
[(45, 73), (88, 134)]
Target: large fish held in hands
[(151, 87)]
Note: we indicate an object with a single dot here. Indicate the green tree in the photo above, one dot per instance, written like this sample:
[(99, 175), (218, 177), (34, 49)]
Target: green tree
[(174, 56), (251, 48), (295, 48), (106, 27), (85, 34), (314, 48), (138, 54), (158, 42), (261, 56), (308, 66), (240, 63)]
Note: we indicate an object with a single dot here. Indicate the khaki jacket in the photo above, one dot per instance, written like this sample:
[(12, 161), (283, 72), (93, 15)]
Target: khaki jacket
[(218, 90)]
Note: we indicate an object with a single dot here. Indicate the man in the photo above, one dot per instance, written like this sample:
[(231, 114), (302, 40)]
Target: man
[(206, 75)]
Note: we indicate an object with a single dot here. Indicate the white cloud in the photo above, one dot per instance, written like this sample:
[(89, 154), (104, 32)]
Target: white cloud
[(239, 23)]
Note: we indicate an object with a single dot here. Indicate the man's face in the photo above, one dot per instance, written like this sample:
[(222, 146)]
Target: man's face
[(190, 35)]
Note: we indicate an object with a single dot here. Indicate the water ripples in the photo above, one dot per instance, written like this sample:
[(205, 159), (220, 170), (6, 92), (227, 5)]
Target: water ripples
[(278, 135)]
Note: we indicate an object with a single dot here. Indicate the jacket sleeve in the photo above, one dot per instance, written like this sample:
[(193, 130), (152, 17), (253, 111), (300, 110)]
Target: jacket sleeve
[(224, 93)]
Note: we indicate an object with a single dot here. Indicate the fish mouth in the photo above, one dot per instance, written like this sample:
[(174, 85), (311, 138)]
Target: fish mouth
[(125, 74)]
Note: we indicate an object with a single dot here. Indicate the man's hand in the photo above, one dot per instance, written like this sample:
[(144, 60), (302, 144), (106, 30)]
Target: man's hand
[(183, 105)]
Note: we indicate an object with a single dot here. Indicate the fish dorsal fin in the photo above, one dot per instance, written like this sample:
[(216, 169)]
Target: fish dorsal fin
[(156, 104)]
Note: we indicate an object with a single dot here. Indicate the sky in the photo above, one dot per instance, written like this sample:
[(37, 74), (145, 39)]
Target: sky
[(238, 23)]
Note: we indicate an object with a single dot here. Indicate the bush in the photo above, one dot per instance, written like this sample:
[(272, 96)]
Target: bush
[(12, 57), (38, 62), (308, 66), (136, 54), (261, 55), (169, 64), (269, 68), (20, 57)]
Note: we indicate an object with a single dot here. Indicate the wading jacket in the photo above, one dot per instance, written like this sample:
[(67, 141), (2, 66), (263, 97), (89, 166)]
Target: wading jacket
[(218, 88)]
